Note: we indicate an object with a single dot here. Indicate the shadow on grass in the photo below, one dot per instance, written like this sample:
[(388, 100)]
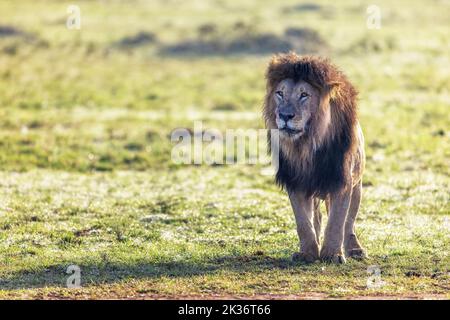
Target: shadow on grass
[(92, 274)]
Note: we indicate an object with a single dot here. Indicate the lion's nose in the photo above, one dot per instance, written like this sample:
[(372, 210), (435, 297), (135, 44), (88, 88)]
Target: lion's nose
[(286, 116)]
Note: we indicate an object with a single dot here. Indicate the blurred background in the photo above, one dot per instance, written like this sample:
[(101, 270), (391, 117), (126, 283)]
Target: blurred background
[(97, 97), (86, 115)]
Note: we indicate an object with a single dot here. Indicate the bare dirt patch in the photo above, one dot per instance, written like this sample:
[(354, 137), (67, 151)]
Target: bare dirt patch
[(127, 295)]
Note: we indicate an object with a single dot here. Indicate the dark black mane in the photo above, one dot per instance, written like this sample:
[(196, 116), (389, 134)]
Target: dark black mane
[(326, 173)]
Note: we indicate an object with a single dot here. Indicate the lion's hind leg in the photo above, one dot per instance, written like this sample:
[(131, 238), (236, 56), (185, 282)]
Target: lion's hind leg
[(317, 219), (352, 246)]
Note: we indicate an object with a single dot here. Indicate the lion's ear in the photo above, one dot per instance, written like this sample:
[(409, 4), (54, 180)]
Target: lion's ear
[(328, 93), (332, 89)]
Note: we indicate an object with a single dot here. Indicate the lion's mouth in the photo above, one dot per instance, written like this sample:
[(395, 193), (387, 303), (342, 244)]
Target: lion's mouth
[(291, 131)]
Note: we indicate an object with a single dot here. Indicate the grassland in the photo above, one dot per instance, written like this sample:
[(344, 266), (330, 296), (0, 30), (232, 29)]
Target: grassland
[(86, 176)]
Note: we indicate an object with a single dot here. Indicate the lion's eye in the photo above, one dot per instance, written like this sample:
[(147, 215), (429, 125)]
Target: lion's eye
[(279, 94), (303, 95)]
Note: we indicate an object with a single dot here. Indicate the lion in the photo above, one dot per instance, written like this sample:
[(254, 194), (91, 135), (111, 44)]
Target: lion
[(312, 104)]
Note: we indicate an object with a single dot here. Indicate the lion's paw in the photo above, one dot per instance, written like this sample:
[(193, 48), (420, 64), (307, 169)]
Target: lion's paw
[(332, 257), (335, 258), (304, 257)]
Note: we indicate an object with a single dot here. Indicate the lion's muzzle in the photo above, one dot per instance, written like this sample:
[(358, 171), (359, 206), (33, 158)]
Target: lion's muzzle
[(287, 124)]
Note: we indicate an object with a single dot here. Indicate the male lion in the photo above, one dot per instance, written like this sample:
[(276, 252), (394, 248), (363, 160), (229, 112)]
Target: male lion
[(313, 106)]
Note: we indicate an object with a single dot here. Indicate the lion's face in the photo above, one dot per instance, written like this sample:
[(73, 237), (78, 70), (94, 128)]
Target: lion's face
[(295, 104)]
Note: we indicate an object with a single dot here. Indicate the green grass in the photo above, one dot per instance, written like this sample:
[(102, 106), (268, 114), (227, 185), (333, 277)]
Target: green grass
[(85, 155)]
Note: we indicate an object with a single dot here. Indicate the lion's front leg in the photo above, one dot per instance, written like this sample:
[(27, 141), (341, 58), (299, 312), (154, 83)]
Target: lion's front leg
[(332, 249), (303, 211)]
